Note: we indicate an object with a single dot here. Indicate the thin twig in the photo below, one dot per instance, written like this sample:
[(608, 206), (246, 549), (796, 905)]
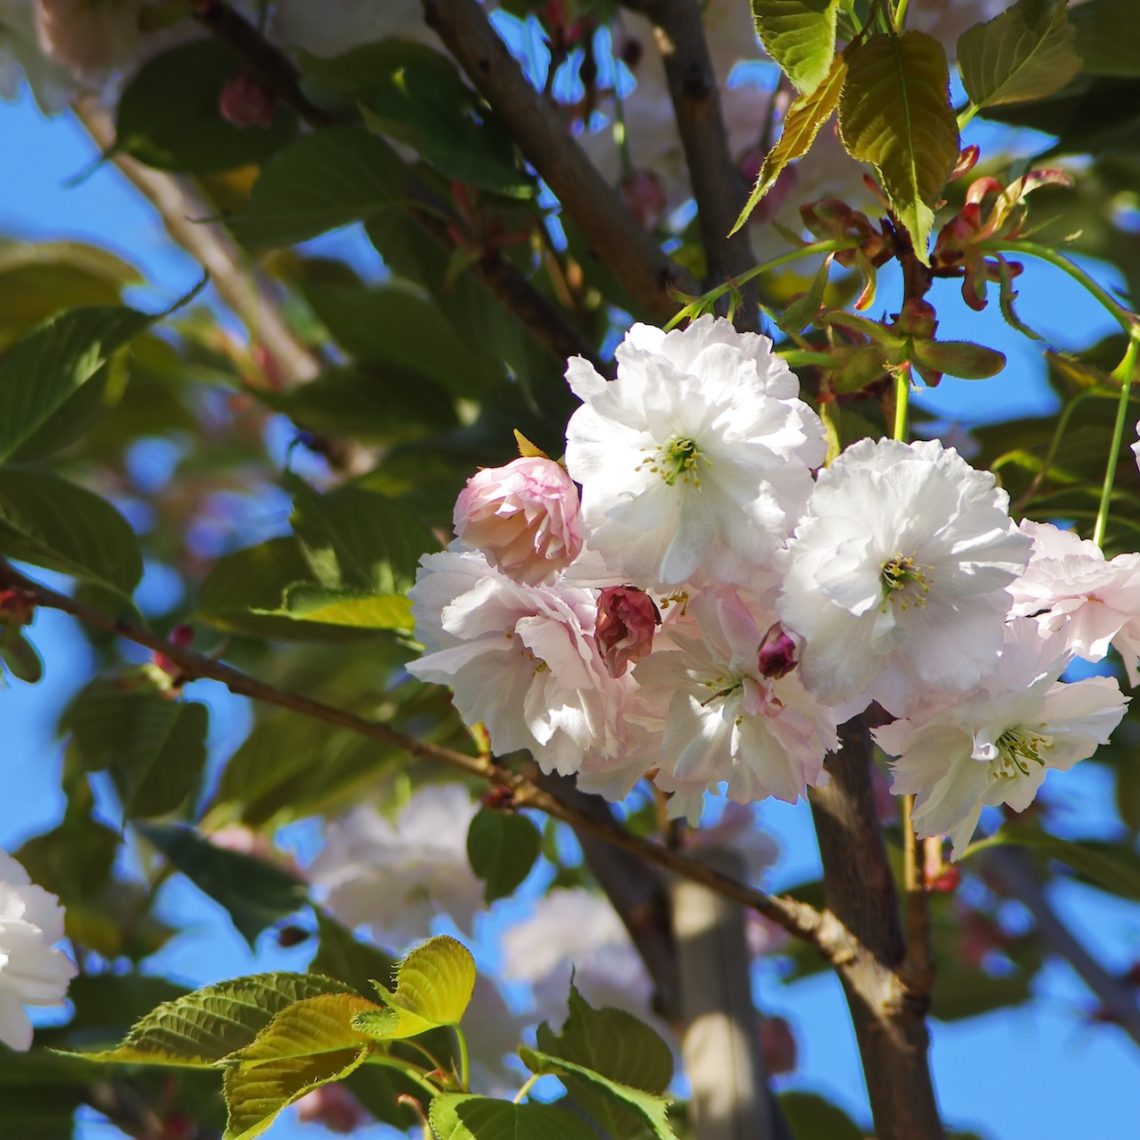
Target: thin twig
[(634, 258), (799, 919)]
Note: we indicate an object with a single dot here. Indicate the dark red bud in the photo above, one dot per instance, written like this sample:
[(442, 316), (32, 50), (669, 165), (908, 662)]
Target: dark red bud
[(778, 654)]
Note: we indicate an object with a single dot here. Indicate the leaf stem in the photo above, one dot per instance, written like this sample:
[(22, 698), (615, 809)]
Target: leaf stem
[(1124, 372), (406, 1067), (900, 15), (530, 1082), (464, 1061)]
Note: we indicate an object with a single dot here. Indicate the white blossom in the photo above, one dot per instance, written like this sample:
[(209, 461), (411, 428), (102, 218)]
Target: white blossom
[(22, 58), (713, 716), (994, 744), (520, 659), (32, 971), (1070, 586), (696, 461), (896, 578), (394, 875), (333, 27)]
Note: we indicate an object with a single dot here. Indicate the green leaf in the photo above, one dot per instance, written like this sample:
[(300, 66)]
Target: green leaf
[(1025, 53), (47, 367), (961, 358), (502, 848), (50, 522), (895, 113), (802, 123), (800, 36), (459, 1116), (321, 1024), (649, 1110), (323, 180), (357, 540), (203, 1027), (168, 116), (154, 746), (804, 310), (433, 987), (256, 1094), (306, 602), (397, 325), (1108, 37), (255, 893), (811, 1116)]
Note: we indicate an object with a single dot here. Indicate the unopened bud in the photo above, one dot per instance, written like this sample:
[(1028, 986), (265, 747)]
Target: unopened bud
[(778, 654), (246, 102), (334, 1107), (644, 197), (778, 1046), (627, 618)]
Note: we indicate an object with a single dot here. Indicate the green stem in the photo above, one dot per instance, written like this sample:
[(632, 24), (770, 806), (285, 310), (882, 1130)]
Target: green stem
[(409, 1070), (902, 403), (1124, 317), (900, 15), (966, 114), (464, 1063), (803, 358), (521, 1094), (714, 295), (1124, 373)]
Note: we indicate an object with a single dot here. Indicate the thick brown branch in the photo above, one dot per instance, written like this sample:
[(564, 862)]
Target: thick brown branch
[(636, 261), (796, 917), (888, 1009), (1014, 874), (718, 186)]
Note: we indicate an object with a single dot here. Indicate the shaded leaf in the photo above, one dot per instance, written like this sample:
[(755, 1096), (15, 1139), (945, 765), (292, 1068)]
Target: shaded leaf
[(810, 1115), (1108, 37), (800, 36), (803, 310), (802, 123), (895, 113), (959, 358), (1023, 54), (502, 848), (459, 1116), (255, 893), (433, 987)]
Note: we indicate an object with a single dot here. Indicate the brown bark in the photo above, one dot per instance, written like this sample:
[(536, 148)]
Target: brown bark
[(888, 1010)]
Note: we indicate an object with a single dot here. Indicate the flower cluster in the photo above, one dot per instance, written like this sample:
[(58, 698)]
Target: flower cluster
[(32, 972), (717, 601)]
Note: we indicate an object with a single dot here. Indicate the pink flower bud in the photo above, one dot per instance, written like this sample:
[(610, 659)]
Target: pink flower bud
[(627, 618), (523, 517), (778, 1045), (246, 102), (778, 654), (643, 193), (334, 1107)]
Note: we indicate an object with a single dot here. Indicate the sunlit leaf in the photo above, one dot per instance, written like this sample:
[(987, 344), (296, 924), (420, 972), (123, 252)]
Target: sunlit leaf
[(800, 36), (321, 1024)]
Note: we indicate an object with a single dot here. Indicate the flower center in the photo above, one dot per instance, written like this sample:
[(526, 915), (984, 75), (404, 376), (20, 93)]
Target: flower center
[(678, 459), (723, 687), (904, 581), (1017, 749)]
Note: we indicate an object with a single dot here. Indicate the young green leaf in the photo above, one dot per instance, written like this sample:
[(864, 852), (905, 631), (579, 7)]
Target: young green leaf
[(1027, 52), (353, 609), (800, 36), (433, 987), (321, 1024), (502, 848), (802, 123), (201, 1028), (895, 113), (458, 1116)]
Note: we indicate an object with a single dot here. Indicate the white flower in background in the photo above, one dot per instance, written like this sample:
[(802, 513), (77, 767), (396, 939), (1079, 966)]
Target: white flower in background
[(21, 57), (523, 517), (896, 579), (1069, 586), (520, 659), (576, 932), (333, 27), (946, 20), (713, 715), (696, 460), (90, 37), (32, 971), (1136, 446), (994, 744), (395, 876), (493, 1034)]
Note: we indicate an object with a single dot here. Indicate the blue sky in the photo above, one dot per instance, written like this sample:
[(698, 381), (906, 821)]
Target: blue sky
[(1038, 1073)]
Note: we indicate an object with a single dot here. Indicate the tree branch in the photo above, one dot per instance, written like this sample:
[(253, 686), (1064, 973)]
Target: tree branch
[(718, 187), (636, 261), (546, 322), (888, 1007), (798, 918), (1013, 873)]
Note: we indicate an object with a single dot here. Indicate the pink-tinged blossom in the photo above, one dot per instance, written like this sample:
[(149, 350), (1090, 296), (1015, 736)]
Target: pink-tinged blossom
[(393, 876), (993, 744), (627, 619), (695, 463), (520, 659), (333, 1107), (89, 38), (1069, 586), (1136, 446), (523, 517), (713, 718), (896, 578), (32, 971)]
